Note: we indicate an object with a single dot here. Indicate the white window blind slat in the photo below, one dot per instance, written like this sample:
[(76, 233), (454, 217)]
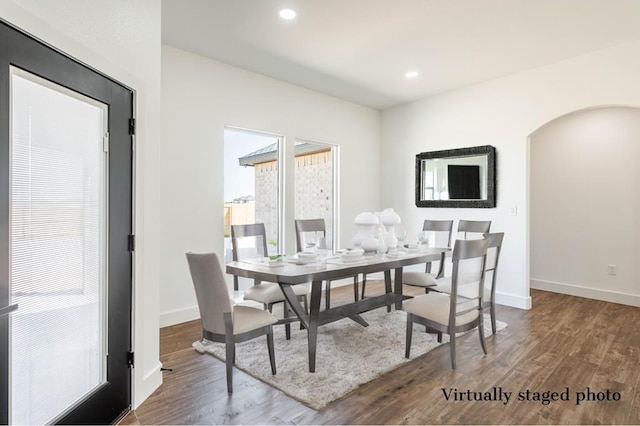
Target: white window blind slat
[(58, 224)]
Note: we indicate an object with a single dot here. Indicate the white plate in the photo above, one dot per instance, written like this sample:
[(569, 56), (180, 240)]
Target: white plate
[(352, 251), (300, 261), (395, 254), (262, 261), (306, 255), (411, 250)]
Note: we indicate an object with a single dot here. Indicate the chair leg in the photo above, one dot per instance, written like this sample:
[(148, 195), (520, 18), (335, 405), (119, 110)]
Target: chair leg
[(387, 286), (229, 362), (327, 295), (287, 327), (493, 317), (407, 347), (235, 283), (272, 356), (364, 284), (481, 333), (230, 353), (355, 288), (452, 343), (305, 302)]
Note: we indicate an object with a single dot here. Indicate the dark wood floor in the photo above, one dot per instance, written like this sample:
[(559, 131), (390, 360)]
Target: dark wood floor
[(562, 343)]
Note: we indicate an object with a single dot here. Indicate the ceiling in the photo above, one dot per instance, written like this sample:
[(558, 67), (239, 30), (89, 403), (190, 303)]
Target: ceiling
[(360, 50)]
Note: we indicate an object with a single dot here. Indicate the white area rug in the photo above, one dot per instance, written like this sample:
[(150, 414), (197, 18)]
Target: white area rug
[(348, 355)]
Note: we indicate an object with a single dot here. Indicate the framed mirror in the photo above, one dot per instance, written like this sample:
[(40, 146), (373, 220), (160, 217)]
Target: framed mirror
[(464, 177)]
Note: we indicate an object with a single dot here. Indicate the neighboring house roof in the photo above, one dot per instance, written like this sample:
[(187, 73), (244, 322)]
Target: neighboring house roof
[(269, 153), (244, 199)]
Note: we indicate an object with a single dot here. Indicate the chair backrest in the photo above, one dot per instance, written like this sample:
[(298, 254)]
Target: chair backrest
[(317, 226), (211, 290), (478, 227), (474, 254), (494, 241), (441, 230), (256, 230)]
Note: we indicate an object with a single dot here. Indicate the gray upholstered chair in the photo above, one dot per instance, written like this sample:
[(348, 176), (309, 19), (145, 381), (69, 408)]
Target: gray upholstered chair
[(473, 229), (268, 293), (453, 313), (221, 321), (491, 269), (467, 230), (440, 231), (317, 226), (493, 257), (255, 230)]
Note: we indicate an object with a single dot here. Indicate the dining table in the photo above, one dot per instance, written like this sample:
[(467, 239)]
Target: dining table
[(292, 270)]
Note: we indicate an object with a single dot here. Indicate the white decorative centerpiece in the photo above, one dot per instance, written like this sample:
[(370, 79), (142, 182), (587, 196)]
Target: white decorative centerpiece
[(390, 219), (367, 224)]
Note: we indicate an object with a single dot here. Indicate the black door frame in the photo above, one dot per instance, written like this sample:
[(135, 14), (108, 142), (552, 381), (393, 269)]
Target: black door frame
[(20, 50)]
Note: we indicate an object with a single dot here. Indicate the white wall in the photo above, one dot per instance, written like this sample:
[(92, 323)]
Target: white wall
[(585, 199), (503, 113), (199, 98), (122, 39)]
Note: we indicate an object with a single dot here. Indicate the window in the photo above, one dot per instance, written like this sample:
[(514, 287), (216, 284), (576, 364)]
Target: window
[(315, 184), (252, 184)]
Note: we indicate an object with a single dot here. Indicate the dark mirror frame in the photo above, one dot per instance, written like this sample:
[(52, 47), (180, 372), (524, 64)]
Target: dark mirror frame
[(487, 150)]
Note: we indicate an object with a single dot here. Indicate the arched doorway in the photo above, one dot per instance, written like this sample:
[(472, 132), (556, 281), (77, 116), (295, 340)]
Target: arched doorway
[(584, 203)]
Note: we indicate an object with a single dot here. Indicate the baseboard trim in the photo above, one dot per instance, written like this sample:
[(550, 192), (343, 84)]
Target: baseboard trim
[(513, 300), (179, 316), (151, 380), (155, 370), (590, 293)]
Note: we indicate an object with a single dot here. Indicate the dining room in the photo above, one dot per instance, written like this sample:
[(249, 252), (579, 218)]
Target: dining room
[(564, 327), (385, 178), (376, 165)]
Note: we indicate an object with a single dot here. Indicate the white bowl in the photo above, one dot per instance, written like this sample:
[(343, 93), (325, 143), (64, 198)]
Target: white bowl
[(351, 254), (307, 255)]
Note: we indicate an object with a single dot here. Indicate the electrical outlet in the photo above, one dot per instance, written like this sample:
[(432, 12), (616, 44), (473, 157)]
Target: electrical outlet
[(513, 211), (612, 269)]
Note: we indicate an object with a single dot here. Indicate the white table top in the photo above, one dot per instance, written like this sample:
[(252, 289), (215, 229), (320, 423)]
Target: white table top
[(330, 267)]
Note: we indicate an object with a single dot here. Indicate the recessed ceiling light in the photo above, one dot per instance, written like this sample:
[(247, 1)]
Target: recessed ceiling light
[(287, 14), (411, 74)]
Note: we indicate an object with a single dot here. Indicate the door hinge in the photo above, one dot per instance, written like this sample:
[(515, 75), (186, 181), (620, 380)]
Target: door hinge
[(105, 142), (132, 126), (132, 243), (130, 359)]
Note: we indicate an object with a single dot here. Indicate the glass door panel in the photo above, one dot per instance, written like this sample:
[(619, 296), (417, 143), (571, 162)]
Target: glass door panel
[(57, 247), (315, 187), (251, 188)]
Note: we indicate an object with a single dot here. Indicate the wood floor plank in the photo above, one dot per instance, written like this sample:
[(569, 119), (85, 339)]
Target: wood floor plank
[(563, 341), (633, 417), (622, 363)]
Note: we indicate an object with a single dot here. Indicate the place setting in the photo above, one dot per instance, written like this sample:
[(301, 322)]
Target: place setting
[(348, 256)]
